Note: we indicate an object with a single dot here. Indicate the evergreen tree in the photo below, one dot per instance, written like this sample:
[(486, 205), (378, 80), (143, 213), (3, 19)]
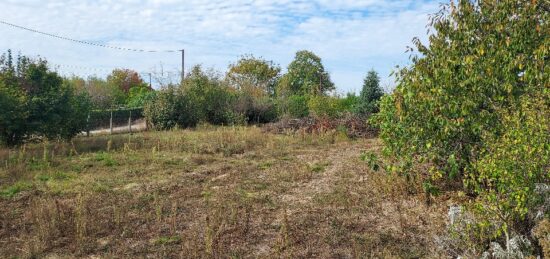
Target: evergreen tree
[(370, 94)]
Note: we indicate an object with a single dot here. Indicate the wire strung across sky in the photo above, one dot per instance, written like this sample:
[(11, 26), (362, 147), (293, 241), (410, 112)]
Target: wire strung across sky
[(84, 42), (93, 70)]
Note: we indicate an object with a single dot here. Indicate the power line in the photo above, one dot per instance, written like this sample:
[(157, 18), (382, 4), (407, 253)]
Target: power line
[(59, 68), (83, 42)]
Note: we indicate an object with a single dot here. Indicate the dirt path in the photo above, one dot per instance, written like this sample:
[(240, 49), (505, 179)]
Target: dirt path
[(137, 126)]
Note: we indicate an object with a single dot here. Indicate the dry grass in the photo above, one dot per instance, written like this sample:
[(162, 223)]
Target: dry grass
[(210, 193)]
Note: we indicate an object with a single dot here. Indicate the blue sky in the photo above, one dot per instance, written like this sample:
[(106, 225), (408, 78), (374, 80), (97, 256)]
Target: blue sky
[(351, 36)]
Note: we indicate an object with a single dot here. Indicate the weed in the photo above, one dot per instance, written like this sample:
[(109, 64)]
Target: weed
[(169, 240), (16, 188), (106, 158), (43, 177), (372, 160), (318, 167), (265, 165)]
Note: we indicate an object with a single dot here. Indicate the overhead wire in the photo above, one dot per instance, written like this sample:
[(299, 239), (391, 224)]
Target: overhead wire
[(84, 42)]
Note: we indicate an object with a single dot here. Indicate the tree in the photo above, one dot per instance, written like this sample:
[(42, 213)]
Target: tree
[(103, 94), (370, 94), (125, 79), (12, 115), (35, 102), (138, 96), (306, 76), (466, 97), (254, 75), (207, 92)]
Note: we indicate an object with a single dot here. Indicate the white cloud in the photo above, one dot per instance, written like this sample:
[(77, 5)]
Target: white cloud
[(351, 36)]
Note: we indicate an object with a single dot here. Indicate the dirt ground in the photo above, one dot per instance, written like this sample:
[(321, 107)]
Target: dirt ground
[(211, 193)]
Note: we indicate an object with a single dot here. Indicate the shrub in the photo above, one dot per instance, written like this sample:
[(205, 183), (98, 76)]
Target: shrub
[(212, 98), (255, 109), (507, 171), (169, 108), (349, 103), (138, 96), (448, 99), (324, 106), (461, 107), (294, 106)]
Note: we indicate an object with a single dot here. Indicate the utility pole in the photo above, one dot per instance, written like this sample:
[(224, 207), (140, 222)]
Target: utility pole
[(320, 84), (182, 65)]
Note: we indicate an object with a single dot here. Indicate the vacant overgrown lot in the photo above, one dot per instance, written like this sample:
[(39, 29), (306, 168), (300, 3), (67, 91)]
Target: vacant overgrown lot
[(213, 192)]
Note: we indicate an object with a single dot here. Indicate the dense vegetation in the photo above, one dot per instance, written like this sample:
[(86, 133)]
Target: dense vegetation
[(474, 107), (254, 91), (35, 102)]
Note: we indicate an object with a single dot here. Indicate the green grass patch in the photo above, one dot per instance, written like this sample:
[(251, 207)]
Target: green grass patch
[(318, 167), (166, 240), (16, 188), (106, 158), (265, 165)]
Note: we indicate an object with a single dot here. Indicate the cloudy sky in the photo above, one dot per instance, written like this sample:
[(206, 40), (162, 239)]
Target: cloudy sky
[(351, 36)]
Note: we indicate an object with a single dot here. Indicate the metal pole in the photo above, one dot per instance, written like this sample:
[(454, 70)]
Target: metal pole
[(111, 122), (130, 122), (183, 64), (88, 126)]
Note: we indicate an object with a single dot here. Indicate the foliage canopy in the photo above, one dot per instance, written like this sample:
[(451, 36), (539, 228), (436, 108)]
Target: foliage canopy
[(470, 101)]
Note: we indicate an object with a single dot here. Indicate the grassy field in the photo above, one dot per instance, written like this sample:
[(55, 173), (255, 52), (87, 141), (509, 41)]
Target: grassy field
[(211, 193)]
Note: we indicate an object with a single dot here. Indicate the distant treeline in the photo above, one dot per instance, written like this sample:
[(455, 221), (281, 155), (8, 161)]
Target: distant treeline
[(36, 102)]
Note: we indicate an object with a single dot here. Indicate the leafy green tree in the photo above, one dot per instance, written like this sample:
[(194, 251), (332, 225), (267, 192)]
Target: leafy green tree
[(212, 98), (306, 76), (370, 94), (36, 102), (13, 115), (460, 106), (255, 75), (138, 96)]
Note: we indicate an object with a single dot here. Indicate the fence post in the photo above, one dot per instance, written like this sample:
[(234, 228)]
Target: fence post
[(130, 122), (88, 126), (111, 122)]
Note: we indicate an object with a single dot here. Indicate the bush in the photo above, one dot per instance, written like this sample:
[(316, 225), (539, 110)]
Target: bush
[(294, 106), (349, 103), (507, 171), (169, 108), (255, 109), (461, 108), (324, 106), (446, 101), (213, 99)]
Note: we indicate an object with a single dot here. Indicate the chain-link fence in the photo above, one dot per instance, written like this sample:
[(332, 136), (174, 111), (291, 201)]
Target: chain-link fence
[(116, 120)]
